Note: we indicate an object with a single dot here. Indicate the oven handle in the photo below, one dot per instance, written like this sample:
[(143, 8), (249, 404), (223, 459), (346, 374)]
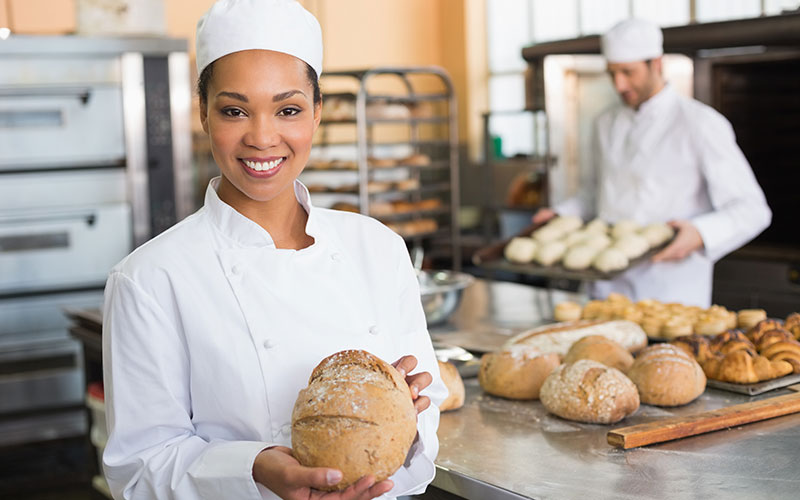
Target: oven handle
[(81, 93), (42, 240)]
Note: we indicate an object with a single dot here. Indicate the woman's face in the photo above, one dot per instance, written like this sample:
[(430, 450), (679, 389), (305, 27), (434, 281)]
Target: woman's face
[(260, 118)]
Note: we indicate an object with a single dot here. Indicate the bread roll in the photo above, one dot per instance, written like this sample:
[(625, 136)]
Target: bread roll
[(602, 350), (521, 250), (632, 245), (657, 234), (559, 337), (455, 387), (610, 259), (597, 241), (356, 415), (748, 318), (667, 376), (517, 372), (566, 223), (576, 238), (588, 391), (567, 311), (579, 257), (623, 228), (547, 234), (550, 253), (597, 226)]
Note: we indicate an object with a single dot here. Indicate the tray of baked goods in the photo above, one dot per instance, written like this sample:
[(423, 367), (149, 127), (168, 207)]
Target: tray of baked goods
[(567, 248), (743, 351)]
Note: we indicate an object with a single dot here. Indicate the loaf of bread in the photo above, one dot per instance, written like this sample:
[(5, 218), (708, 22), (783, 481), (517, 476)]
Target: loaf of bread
[(602, 350), (559, 337), (588, 391), (667, 376), (356, 415), (517, 372), (455, 387)]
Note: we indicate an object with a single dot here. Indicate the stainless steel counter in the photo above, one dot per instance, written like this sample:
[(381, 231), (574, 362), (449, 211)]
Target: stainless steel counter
[(496, 449)]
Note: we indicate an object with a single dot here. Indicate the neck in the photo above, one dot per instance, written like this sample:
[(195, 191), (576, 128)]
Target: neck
[(282, 217), (658, 86)]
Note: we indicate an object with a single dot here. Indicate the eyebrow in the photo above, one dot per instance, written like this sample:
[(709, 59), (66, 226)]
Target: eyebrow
[(234, 95), (285, 95)]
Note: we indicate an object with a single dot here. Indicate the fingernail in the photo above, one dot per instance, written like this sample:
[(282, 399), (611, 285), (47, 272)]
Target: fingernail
[(334, 476), (414, 390), (402, 372)]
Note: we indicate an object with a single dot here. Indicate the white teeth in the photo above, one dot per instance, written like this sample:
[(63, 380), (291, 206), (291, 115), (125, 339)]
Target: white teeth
[(260, 167)]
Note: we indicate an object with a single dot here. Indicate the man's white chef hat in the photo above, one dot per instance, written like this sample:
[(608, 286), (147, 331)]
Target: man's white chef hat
[(632, 40), (281, 25)]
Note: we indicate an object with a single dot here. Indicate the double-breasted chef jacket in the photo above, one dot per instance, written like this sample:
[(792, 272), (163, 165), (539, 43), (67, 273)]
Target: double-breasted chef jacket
[(210, 332), (673, 158)]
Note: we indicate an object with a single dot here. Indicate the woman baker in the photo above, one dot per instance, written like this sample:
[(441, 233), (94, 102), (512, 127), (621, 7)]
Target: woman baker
[(213, 327)]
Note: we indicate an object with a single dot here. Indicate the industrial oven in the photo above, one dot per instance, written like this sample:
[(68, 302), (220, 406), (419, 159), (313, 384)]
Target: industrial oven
[(94, 160)]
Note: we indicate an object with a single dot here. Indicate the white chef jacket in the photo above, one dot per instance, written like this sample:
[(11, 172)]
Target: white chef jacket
[(673, 158), (210, 332)]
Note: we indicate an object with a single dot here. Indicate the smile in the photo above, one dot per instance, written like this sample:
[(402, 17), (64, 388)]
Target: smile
[(262, 167)]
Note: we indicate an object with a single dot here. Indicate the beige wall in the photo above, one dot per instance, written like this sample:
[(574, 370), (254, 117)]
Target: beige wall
[(356, 34)]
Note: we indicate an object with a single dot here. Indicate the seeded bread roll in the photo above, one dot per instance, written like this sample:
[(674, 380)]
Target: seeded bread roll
[(356, 415), (667, 376), (602, 350), (455, 387), (516, 373), (588, 391)]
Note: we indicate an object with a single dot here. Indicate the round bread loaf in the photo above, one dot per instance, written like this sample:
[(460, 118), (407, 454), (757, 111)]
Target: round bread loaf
[(517, 372), (600, 349), (588, 391), (455, 387), (356, 415), (567, 311), (667, 376)]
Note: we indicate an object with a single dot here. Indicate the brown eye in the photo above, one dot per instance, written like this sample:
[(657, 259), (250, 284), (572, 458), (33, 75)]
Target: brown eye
[(289, 111), (233, 112)]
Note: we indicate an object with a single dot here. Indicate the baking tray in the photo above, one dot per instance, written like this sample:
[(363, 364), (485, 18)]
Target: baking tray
[(491, 258), (756, 388)]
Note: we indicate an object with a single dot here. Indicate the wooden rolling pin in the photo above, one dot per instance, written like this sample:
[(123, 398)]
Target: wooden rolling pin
[(707, 421)]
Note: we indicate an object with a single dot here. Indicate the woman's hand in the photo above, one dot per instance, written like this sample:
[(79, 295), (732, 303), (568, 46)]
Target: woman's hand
[(686, 241), (279, 471), (416, 382), (542, 215)]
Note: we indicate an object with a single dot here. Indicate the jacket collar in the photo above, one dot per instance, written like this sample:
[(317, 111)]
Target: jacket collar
[(246, 232), (656, 104)]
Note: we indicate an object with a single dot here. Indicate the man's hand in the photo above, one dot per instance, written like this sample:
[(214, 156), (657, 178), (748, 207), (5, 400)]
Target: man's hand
[(686, 241), (542, 215), (279, 471), (416, 382)]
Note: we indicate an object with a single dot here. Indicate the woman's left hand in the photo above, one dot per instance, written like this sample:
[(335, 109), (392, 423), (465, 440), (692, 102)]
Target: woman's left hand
[(416, 382)]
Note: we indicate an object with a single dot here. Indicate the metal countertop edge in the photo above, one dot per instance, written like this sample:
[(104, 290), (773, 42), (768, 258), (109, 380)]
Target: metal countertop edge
[(470, 488)]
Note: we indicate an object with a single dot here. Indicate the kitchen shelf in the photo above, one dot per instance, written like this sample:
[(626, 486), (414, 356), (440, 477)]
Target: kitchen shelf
[(429, 120)]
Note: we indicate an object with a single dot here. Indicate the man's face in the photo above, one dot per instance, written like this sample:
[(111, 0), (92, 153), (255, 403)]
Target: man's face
[(636, 82)]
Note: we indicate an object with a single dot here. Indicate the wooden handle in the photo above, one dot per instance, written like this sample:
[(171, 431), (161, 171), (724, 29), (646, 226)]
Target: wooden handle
[(690, 425)]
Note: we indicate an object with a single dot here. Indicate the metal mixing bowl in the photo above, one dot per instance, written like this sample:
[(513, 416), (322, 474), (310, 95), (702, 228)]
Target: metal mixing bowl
[(441, 293)]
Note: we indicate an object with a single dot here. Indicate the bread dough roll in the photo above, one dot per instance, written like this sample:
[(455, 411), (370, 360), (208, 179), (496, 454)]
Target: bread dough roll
[(567, 311), (667, 376), (547, 234), (588, 391), (632, 245), (566, 223), (550, 253), (356, 415), (748, 318), (579, 257), (576, 237), (455, 386), (517, 372), (521, 250), (657, 234), (598, 241), (610, 259), (597, 226), (624, 227), (602, 350)]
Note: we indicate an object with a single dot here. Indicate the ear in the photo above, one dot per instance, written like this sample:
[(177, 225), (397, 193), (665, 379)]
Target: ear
[(204, 115), (317, 115), (658, 65)]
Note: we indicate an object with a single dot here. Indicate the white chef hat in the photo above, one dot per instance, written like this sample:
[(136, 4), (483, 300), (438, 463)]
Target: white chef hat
[(632, 40), (281, 25)]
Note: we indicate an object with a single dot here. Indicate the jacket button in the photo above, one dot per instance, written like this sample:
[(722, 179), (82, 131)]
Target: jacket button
[(373, 330), (286, 429), (268, 344), (235, 269), (336, 257)]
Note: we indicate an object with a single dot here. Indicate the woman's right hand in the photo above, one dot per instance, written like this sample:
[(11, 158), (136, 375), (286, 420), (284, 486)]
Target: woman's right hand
[(279, 471)]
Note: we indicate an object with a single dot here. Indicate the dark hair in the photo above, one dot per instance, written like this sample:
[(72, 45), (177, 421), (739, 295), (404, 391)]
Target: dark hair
[(208, 72)]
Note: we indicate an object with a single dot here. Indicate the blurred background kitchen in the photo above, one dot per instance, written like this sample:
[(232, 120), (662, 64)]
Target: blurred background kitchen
[(451, 121)]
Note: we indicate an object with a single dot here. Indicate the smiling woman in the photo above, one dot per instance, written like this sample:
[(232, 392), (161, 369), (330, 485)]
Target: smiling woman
[(212, 328)]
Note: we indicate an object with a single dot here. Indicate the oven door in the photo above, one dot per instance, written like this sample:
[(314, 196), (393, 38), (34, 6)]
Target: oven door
[(51, 249), (60, 127)]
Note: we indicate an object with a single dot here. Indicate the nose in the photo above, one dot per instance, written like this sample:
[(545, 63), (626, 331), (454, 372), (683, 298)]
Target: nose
[(620, 82), (262, 133)]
